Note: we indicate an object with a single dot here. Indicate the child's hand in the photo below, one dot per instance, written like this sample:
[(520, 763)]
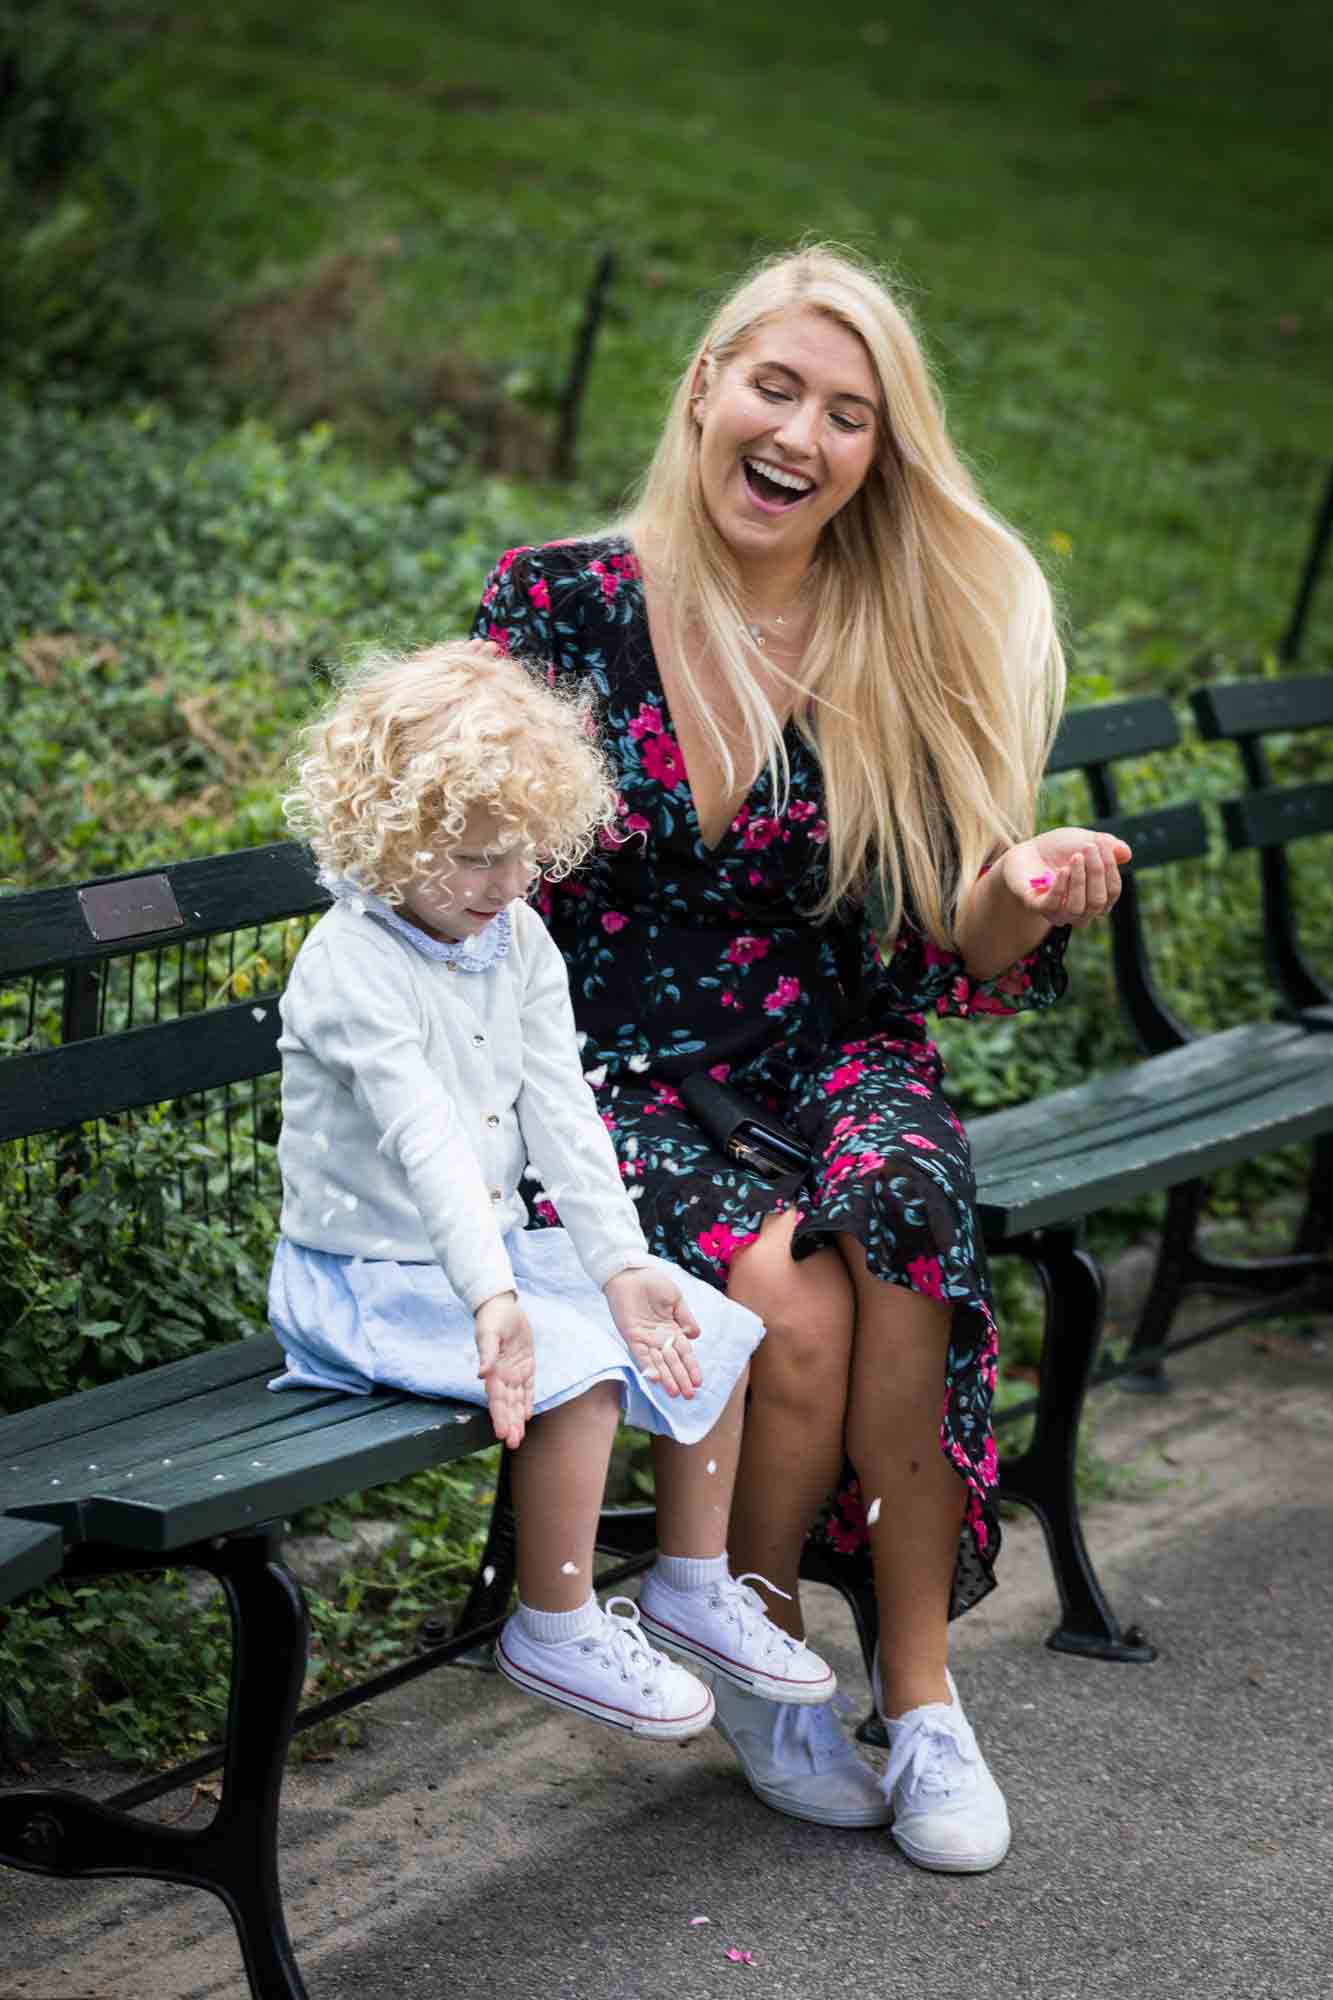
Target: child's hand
[(654, 1321), (505, 1351), (1070, 876)]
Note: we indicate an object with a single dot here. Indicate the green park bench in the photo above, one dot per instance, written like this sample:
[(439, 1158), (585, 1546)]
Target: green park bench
[(133, 983)]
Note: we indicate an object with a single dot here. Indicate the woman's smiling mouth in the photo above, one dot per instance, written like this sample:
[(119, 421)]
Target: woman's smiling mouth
[(773, 486)]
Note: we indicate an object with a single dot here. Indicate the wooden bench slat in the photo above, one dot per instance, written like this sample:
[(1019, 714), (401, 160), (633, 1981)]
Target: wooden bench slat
[(108, 1074), (225, 1418), (1179, 1084), (1111, 730), (1176, 1125), (394, 1437), (1264, 708), (1278, 813), (1018, 1192), (92, 1410), (46, 928), (30, 1553), (1167, 833)]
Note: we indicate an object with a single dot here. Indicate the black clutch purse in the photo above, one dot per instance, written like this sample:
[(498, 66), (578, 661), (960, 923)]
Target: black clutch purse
[(743, 1131)]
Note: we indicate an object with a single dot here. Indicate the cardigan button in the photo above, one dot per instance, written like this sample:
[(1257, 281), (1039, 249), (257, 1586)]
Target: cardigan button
[(492, 1117), (478, 1041), (497, 1194)]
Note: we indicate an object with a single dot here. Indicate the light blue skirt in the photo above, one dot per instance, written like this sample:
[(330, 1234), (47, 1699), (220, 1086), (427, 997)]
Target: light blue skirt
[(358, 1324)]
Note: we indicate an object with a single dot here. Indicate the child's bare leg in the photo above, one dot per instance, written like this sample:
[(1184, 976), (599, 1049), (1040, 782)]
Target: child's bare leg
[(690, 1601), (561, 1644), (559, 1475), (694, 1484)]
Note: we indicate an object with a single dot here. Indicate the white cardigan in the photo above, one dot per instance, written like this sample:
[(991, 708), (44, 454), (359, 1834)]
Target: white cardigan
[(414, 1095)]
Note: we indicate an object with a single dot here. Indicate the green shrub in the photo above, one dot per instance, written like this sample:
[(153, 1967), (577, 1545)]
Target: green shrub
[(172, 598), (105, 1268)]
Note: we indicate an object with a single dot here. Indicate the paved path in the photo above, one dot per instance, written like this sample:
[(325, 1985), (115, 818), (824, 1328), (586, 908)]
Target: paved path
[(1173, 1832)]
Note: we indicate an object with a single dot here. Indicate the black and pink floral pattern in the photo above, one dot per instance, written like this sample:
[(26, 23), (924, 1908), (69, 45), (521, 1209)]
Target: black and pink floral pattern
[(684, 958)]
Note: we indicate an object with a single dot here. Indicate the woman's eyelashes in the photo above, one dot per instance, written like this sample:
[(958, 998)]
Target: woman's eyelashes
[(844, 421)]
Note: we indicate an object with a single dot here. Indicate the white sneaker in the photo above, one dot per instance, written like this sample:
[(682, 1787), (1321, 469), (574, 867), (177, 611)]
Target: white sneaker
[(799, 1761), (724, 1624), (948, 1812), (610, 1673)]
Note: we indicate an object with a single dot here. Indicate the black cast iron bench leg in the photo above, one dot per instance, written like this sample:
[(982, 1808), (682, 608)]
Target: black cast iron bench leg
[(1299, 1281), (55, 1832), (1043, 1477)]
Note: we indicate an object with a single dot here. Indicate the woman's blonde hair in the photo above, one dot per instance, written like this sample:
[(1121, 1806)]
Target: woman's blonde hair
[(934, 662), (386, 777)]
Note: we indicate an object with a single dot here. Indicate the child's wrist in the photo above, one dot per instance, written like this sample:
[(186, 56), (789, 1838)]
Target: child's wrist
[(633, 1270)]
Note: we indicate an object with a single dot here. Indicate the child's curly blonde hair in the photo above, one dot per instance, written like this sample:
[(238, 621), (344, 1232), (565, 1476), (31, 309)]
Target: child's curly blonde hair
[(386, 777)]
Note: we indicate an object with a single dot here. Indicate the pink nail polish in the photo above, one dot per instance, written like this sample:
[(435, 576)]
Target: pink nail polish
[(1039, 881)]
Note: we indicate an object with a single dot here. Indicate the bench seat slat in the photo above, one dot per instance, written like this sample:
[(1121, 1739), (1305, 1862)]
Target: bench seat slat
[(1151, 1094), (45, 929), (1187, 1077), (387, 1437), (1264, 708), (1025, 1183), (108, 1074), (30, 1553), (228, 1418), (91, 1410)]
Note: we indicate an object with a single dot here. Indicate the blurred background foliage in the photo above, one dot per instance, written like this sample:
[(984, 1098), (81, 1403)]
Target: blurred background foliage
[(290, 300)]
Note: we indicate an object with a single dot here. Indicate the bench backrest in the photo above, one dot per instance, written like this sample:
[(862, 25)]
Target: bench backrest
[(139, 1109), (170, 1025), (1270, 816), (1094, 740)]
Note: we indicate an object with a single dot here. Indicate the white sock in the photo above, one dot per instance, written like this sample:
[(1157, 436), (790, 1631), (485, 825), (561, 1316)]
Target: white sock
[(556, 1628), (692, 1572)]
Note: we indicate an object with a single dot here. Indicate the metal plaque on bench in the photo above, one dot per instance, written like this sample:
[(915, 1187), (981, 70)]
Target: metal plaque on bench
[(143, 903)]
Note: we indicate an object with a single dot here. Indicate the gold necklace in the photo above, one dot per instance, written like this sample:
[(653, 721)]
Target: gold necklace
[(758, 634), (761, 632)]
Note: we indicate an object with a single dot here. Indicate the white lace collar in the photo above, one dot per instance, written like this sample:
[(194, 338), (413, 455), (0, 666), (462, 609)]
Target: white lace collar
[(472, 954)]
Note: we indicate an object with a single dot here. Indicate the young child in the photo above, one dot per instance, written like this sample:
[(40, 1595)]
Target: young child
[(429, 1055)]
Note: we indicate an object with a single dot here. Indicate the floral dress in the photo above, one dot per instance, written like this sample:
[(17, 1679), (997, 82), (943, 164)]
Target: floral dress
[(685, 958)]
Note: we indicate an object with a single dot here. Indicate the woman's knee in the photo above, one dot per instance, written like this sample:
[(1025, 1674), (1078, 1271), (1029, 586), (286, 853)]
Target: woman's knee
[(808, 1310)]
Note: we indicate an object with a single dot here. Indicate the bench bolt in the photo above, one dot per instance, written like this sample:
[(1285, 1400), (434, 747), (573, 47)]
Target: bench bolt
[(43, 1835)]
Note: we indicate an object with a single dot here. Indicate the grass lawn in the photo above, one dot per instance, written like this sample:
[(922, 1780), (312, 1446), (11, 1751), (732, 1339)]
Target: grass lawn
[(1112, 224)]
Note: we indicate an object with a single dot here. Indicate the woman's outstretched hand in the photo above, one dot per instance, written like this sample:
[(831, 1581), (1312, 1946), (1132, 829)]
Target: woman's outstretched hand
[(654, 1323), (1069, 876), (507, 1361)]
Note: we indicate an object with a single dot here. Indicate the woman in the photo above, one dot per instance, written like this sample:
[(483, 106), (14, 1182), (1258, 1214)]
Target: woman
[(828, 678)]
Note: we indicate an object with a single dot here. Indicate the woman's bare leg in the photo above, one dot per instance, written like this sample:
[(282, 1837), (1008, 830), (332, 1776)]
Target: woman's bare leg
[(559, 1475), (893, 1440), (792, 1446)]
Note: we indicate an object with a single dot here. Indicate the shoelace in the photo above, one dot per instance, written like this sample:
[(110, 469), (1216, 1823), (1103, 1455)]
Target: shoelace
[(815, 1728), (622, 1642), (747, 1607), (930, 1752)]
